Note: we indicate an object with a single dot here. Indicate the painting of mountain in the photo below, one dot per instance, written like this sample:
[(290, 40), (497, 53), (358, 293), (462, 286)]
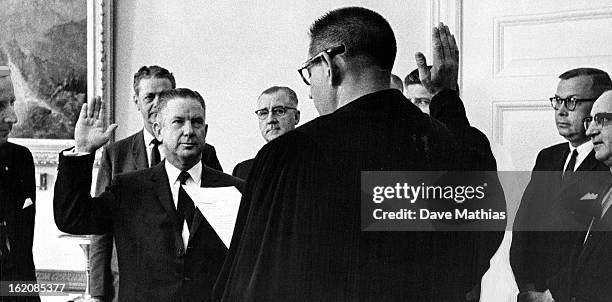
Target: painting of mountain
[(44, 43)]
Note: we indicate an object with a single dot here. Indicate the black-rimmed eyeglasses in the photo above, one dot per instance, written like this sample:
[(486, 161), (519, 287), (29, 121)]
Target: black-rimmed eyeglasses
[(303, 70), (277, 111), (570, 103), (599, 118)]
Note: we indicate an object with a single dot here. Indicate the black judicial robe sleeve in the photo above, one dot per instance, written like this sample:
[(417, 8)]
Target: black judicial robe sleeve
[(292, 191), (298, 233)]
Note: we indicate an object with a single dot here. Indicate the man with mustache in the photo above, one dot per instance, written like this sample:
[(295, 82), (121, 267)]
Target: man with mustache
[(278, 114), (537, 256)]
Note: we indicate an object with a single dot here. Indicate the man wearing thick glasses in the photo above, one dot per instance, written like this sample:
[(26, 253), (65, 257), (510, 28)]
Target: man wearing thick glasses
[(298, 233), (537, 256), (277, 114)]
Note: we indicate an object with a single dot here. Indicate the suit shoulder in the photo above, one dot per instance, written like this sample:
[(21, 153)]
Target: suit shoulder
[(216, 178), (243, 167), (20, 149), (134, 175), (245, 163), (554, 149), (122, 145)]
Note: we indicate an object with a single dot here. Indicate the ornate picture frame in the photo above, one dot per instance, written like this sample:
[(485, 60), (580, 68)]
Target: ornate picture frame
[(99, 79)]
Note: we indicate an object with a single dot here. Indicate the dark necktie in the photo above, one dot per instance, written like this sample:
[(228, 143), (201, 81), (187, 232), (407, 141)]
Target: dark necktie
[(570, 165), (185, 207), (155, 156)]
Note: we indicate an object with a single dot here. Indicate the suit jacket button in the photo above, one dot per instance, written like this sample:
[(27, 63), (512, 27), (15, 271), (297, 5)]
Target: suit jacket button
[(180, 252)]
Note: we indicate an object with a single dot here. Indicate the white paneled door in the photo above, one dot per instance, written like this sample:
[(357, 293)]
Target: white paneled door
[(512, 54)]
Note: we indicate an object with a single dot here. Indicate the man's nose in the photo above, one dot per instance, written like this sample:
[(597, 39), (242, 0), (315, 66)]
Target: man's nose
[(187, 128), (156, 101), (591, 131), (562, 111), (9, 116), (271, 118)]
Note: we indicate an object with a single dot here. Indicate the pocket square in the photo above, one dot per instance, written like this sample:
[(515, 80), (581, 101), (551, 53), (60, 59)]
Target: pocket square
[(589, 196), (28, 202)]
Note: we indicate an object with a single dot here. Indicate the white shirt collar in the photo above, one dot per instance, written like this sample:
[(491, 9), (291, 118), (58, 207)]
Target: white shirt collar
[(148, 137), (582, 149), (173, 172), (583, 152)]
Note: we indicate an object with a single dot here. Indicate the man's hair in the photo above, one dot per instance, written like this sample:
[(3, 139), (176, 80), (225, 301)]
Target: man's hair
[(362, 32), (288, 91), (601, 79), (154, 71), (413, 77), (185, 93)]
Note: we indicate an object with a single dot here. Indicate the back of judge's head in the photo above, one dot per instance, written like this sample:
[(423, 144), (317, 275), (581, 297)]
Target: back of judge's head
[(365, 34), (351, 50)]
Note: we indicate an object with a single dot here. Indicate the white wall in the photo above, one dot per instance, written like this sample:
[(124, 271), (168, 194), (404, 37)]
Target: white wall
[(230, 51)]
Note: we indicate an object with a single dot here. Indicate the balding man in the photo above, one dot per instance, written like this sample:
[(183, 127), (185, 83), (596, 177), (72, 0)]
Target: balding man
[(277, 114), (587, 276), (538, 255)]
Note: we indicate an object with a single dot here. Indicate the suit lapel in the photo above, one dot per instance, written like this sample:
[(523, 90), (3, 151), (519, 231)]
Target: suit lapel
[(162, 191), (597, 234), (139, 152), (589, 163)]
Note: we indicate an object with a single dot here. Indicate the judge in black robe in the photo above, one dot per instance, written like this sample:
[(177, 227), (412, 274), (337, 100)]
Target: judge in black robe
[(298, 232)]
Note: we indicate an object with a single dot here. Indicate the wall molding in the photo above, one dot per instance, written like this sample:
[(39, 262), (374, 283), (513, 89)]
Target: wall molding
[(502, 23), (451, 13), (502, 107), (75, 280)]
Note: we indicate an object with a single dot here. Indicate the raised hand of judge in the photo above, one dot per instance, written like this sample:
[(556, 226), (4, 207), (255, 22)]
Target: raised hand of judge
[(445, 68), (90, 133)]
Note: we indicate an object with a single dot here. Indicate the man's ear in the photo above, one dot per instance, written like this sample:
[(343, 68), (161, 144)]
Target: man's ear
[(157, 130), (135, 99), (205, 130), (297, 117), (333, 66)]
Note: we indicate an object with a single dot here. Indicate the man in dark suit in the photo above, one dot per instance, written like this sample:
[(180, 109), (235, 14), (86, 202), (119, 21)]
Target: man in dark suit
[(537, 256), (166, 249), (17, 205), (299, 236), (587, 276), (136, 152), (278, 114)]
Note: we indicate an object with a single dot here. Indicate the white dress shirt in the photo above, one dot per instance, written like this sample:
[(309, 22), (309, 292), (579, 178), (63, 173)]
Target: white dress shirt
[(583, 151), (173, 173), (148, 139)]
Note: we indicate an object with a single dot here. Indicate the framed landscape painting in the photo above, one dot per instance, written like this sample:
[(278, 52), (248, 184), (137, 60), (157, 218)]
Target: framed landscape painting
[(59, 54)]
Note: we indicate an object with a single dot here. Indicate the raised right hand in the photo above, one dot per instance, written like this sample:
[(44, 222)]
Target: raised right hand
[(89, 132), (445, 67)]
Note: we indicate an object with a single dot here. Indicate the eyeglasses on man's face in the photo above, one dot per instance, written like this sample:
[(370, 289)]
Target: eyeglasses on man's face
[(304, 69), (599, 118), (278, 111), (570, 103)]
